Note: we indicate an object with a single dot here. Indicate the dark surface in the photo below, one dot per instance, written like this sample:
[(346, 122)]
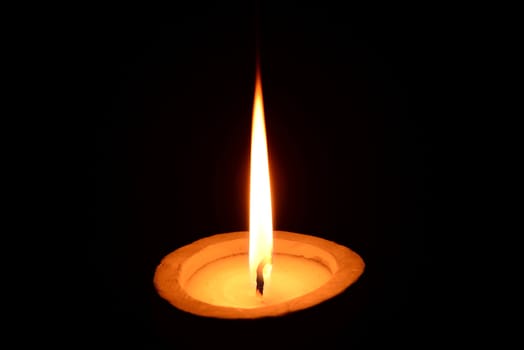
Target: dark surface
[(349, 102)]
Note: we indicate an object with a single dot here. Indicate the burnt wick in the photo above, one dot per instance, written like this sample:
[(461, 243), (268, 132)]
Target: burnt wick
[(260, 278)]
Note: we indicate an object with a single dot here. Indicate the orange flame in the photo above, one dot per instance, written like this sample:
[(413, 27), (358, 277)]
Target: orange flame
[(260, 210)]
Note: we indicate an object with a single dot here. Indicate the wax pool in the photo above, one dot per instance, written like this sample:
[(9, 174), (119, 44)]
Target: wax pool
[(226, 281)]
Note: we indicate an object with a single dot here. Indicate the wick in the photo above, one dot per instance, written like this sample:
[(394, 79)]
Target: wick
[(260, 278)]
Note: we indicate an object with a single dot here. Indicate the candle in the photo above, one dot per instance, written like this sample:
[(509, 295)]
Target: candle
[(210, 277), (261, 272)]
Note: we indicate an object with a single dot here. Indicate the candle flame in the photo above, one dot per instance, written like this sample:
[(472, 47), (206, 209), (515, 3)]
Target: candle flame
[(260, 211)]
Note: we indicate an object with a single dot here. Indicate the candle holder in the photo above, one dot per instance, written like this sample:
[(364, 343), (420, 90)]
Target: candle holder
[(188, 279), (329, 314)]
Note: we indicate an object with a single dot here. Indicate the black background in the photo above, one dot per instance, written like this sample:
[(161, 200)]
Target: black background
[(349, 96)]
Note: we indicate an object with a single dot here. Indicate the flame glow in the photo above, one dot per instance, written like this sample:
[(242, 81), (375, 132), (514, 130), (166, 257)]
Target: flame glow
[(260, 210)]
